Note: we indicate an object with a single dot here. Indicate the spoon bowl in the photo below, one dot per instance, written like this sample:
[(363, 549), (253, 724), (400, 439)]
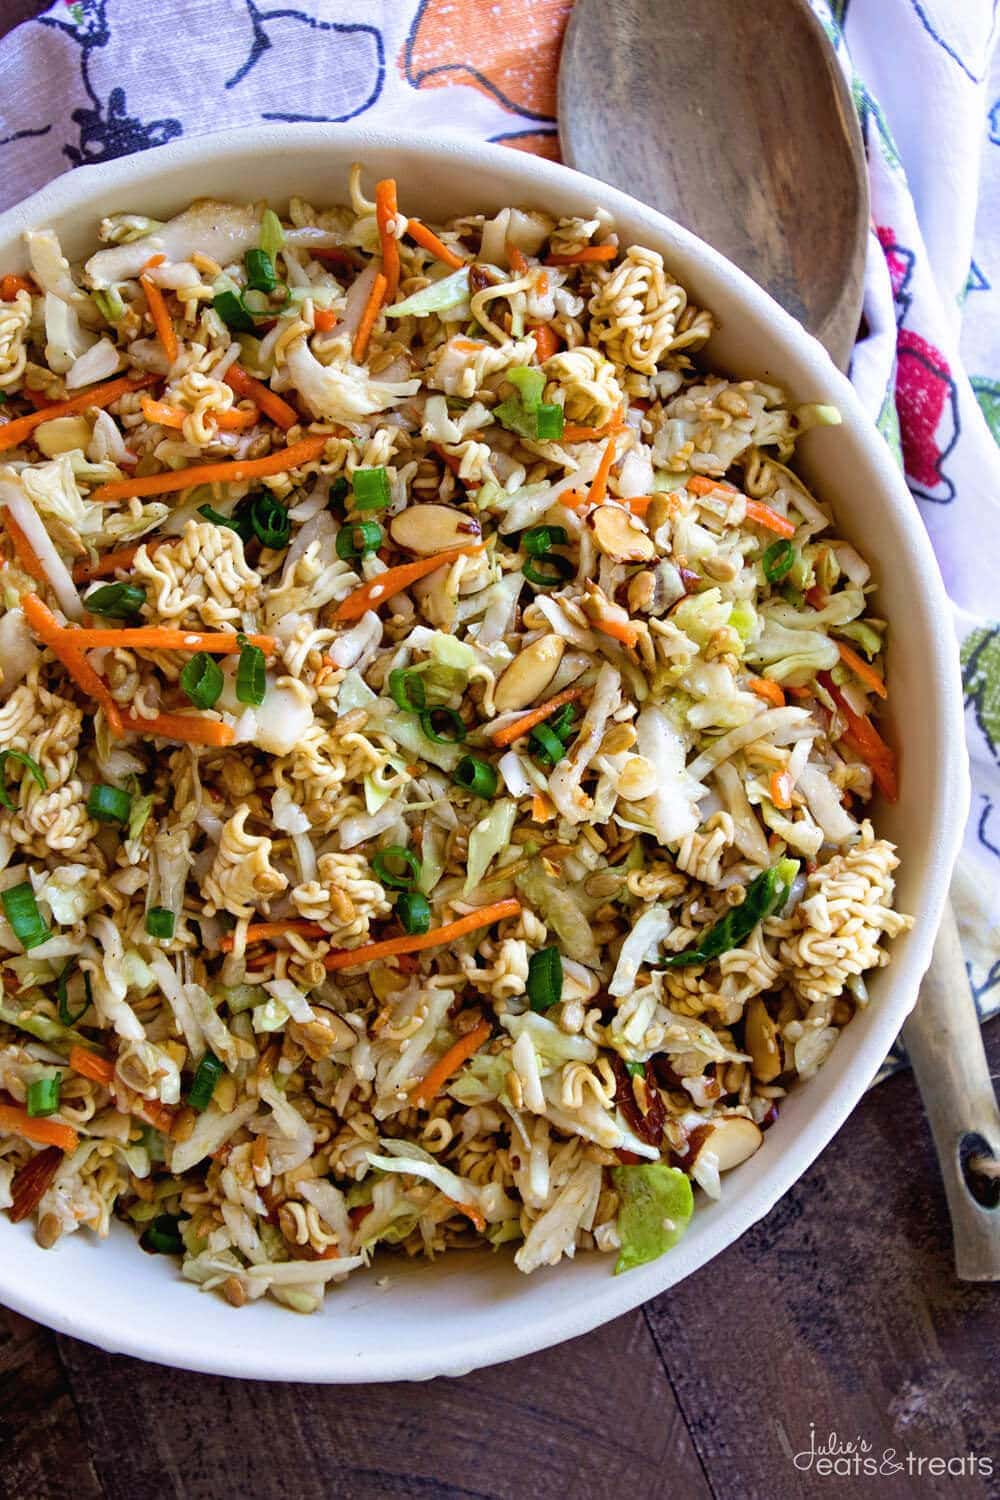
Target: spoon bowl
[(737, 122)]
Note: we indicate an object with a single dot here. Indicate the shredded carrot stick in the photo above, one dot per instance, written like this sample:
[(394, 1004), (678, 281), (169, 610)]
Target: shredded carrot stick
[(450, 460), (862, 670), (862, 737), (38, 399), (32, 1181), (102, 1070), (781, 790), (768, 689), (324, 318), (428, 240), (236, 419), (547, 343), (582, 257), (17, 1121), (91, 1065), (111, 562), (271, 405), (189, 729), (373, 594), (23, 550), (385, 215), (15, 432), (700, 484), (58, 639), (638, 504), (816, 597), (599, 486), (763, 515), (10, 285), (165, 638), (437, 1076), (573, 499), (521, 726), (375, 299), (230, 471), (576, 434), (259, 932), (352, 958), (467, 346), (618, 630), (162, 412), (541, 808), (515, 259), (158, 311), (154, 260)]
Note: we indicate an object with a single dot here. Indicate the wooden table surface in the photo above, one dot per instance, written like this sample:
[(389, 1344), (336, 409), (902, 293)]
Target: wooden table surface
[(839, 1310)]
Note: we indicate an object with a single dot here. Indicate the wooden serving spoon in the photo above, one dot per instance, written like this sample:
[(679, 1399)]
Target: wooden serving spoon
[(737, 122)]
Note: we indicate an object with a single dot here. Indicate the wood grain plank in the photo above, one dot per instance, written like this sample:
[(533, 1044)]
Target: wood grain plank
[(43, 1449), (599, 1408), (843, 1310)]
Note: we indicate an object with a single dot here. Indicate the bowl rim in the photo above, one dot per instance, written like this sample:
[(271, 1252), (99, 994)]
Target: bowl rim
[(187, 1347)]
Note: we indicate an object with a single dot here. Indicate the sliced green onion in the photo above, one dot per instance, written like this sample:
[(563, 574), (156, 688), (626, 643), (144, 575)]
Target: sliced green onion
[(546, 745), (163, 1236), (397, 880), (260, 271), (232, 312), (549, 422), (43, 1096), (338, 491), (559, 569), (539, 539), (562, 723), (109, 804), (202, 680), (434, 720), (408, 691), (258, 303), (117, 601), (529, 384), (21, 910), (477, 776), (545, 978), (31, 766), (218, 519), (160, 922), (635, 1069), (251, 674), (414, 912), (778, 560), (359, 540), (208, 1073), (270, 521), (371, 489), (271, 236), (62, 995)]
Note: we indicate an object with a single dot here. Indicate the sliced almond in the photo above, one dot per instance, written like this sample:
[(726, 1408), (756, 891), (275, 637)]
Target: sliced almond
[(619, 535), (62, 435), (433, 528), (762, 1042), (731, 1141), (529, 674)]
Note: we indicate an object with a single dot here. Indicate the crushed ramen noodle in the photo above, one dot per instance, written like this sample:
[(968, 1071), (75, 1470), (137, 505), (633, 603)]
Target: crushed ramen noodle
[(436, 733)]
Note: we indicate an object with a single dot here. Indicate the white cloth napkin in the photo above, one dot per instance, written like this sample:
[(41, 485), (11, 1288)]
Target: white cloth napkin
[(100, 78)]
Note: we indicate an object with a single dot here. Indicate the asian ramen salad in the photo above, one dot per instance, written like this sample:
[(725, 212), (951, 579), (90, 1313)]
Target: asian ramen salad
[(435, 736)]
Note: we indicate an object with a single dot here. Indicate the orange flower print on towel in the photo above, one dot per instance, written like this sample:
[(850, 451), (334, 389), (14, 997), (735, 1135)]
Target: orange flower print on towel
[(508, 49), (538, 142)]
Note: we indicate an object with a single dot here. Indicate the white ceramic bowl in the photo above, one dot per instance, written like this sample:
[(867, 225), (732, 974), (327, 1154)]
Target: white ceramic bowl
[(407, 1321)]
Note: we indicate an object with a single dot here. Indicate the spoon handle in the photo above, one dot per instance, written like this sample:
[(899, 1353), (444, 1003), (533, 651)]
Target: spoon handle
[(945, 1046)]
